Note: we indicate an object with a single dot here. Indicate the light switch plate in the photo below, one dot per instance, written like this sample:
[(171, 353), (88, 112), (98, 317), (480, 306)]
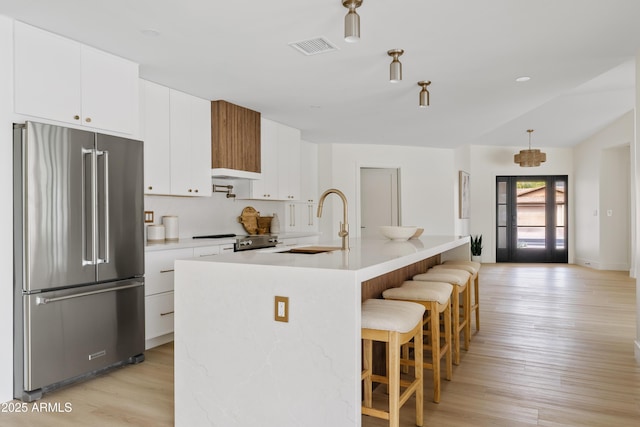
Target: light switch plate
[(281, 309), (148, 217)]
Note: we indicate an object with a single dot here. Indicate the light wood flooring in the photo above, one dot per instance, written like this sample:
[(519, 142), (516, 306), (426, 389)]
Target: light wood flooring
[(555, 349)]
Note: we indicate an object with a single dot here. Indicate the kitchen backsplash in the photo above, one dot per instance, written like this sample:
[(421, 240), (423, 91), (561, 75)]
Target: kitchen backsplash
[(208, 215)]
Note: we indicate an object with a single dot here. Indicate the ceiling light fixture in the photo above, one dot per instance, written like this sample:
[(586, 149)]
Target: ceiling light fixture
[(529, 158), (395, 69), (523, 79), (424, 94), (352, 21)]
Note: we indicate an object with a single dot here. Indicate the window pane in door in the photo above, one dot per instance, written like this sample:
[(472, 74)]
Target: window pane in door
[(531, 214)]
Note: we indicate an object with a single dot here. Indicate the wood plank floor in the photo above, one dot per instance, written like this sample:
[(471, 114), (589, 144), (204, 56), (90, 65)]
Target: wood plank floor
[(555, 349)]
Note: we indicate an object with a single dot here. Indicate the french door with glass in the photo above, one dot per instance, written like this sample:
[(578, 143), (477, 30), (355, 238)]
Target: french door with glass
[(531, 219)]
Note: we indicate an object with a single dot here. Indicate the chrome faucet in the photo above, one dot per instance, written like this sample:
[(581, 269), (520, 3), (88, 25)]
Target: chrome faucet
[(344, 225)]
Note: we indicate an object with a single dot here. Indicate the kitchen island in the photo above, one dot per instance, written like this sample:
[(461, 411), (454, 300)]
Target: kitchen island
[(235, 365)]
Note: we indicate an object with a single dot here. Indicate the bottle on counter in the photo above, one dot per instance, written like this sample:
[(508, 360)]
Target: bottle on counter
[(275, 224)]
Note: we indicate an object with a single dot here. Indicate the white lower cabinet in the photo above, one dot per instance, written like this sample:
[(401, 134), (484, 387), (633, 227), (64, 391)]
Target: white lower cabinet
[(159, 268), (159, 275), (158, 315)]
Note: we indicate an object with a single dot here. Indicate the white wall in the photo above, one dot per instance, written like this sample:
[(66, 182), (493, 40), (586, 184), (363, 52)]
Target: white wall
[(487, 162), (6, 213), (209, 215), (426, 179), (602, 183)]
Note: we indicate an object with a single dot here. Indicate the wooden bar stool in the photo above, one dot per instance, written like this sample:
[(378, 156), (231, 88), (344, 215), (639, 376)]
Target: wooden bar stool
[(436, 299), (395, 323), (474, 269), (461, 324)]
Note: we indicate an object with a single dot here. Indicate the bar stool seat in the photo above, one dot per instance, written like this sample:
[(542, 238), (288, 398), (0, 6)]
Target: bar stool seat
[(395, 323), (461, 324), (473, 268), (436, 298)]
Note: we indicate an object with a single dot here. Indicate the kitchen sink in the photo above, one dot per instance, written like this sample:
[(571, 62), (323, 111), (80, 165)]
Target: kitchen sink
[(310, 250)]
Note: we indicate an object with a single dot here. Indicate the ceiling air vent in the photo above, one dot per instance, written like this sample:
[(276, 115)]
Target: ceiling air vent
[(314, 46)]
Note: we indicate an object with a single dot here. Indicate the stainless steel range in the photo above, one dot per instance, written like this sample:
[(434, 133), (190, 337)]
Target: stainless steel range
[(261, 241), (246, 243)]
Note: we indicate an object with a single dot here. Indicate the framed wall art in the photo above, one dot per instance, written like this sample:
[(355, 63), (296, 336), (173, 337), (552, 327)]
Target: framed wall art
[(464, 193)]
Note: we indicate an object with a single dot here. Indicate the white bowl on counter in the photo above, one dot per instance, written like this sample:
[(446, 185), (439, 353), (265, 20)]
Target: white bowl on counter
[(397, 232)]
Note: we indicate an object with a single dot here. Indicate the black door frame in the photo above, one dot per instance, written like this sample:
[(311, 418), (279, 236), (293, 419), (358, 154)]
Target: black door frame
[(506, 222)]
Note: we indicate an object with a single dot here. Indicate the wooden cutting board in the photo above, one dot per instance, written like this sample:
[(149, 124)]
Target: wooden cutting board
[(249, 219)]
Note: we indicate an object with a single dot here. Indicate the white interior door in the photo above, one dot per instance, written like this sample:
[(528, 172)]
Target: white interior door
[(379, 199)]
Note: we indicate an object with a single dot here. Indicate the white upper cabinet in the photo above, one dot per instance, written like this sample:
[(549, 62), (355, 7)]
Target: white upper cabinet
[(190, 145), (288, 163), (265, 188), (309, 172), (59, 79), (156, 133), (177, 135), (280, 157)]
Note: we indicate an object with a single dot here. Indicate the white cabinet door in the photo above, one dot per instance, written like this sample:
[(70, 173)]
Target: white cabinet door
[(308, 172), (301, 217), (47, 75), (180, 144), (288, 163), (201, 146), (63, 80), (266, 188), (190, 145), (159, 267), (109, 91), (156, 133), (158, 315)]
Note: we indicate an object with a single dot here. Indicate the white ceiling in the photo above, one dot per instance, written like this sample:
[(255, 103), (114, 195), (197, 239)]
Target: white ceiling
[(578, 53)]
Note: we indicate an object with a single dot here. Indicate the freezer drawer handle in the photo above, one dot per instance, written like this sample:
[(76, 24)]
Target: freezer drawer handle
[(40, 300)]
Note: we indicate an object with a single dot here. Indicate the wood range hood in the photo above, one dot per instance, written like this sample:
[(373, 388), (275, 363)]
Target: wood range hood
[(235, 142)]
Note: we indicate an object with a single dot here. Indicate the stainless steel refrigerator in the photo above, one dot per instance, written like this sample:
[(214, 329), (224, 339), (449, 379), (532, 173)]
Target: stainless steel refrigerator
[(78, 255)]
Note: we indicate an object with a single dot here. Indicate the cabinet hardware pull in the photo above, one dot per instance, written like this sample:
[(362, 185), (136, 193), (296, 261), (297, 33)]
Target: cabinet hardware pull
[(88, 120), (167, 271), (167, 313), (150, 187), (76, 117)]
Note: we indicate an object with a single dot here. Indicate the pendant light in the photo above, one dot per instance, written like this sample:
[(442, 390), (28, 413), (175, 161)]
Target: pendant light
[(395, 69), (352, 21), (424, 94), (529, 158)]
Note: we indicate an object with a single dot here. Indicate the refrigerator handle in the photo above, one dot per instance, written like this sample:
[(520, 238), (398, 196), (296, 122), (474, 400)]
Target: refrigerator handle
[(43, 300), (92, 216), (105, 177)]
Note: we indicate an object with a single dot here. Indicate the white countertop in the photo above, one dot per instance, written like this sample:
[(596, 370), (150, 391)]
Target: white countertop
[(196, 243), (369, 257)]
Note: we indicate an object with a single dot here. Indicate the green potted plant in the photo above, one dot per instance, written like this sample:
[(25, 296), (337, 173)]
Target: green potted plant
[(476, 247)]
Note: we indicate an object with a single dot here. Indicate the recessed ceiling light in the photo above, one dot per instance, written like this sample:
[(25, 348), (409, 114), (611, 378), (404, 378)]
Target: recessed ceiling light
[(523, 79), (149, 32)]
